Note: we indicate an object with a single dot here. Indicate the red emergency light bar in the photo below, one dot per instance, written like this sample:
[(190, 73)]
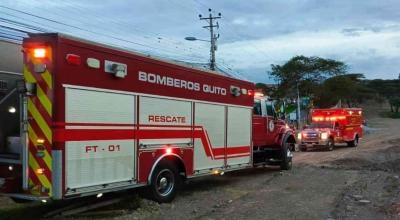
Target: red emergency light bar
[(331, 118)]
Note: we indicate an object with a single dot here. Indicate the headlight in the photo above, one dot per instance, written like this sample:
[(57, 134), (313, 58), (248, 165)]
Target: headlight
[(324, 136), (299, 136)]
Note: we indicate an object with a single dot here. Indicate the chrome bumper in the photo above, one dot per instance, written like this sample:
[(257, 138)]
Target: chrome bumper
[(314, 143)]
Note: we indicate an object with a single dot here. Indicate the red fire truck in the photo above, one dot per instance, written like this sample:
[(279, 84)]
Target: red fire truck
[(95, 119), (332, 126)]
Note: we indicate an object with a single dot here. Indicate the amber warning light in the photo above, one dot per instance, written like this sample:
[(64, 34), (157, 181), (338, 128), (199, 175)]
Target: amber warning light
[(39, 53)]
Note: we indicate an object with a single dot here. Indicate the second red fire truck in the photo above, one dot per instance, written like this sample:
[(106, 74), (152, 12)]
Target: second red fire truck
[(95, 119), (330, 127)]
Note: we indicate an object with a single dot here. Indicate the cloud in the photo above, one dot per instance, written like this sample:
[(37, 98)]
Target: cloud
[(354, 49), (254, 33), (239, 21)]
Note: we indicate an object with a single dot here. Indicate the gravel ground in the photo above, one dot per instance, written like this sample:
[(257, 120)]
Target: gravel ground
[(347, 183)]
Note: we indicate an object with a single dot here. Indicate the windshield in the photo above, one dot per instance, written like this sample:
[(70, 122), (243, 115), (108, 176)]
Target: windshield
[(321, 125)]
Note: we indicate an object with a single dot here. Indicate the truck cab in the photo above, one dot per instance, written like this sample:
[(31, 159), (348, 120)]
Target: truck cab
[(273, 139), (330, 127)]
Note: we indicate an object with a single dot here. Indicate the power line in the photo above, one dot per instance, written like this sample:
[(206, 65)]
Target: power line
[(156, 49), (118, 23), (23, 27), (21, 24), (82, 29)]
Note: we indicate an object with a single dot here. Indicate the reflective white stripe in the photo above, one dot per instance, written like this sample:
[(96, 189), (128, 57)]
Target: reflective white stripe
[(100, 127), (150, 95)]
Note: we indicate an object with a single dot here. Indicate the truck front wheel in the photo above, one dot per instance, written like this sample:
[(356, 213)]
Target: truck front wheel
[(331, 144), (164, 182), (286, 157)]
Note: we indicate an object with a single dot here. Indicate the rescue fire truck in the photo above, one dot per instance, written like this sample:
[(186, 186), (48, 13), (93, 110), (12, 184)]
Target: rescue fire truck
[(330, 127), (96, 119)]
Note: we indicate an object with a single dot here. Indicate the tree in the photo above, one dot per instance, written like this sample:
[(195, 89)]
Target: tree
[(306, 73), (348, 88), (389, 89), (262, 87)]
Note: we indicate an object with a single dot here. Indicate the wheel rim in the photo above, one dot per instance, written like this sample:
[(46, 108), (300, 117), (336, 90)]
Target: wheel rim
[(289, 153), (330, 145), (165, 182)]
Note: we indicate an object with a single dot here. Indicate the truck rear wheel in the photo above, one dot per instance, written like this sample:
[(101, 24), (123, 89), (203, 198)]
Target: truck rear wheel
[(286, 157), (164, 182), (353, 143)]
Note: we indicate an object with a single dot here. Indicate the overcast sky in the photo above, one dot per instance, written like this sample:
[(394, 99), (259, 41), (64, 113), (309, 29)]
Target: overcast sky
[(254, 34)]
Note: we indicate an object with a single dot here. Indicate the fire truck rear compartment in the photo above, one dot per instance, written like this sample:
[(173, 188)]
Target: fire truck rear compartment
[(10, 142), (11, 146)]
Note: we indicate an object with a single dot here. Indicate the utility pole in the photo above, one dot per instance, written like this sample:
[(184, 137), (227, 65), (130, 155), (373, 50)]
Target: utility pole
[(213, 37), (298, 107)]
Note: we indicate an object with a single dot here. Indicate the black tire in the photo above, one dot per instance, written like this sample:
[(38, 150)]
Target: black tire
[(353, 143), (330, 145), (286, 163), (303, 148), (164, 182)]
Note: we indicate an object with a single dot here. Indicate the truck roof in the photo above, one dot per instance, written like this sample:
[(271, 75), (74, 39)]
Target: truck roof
[(335, 109), (121, 49), (144, 74)]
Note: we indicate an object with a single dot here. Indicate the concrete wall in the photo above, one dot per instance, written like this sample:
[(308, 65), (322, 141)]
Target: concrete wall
[(10, 57)]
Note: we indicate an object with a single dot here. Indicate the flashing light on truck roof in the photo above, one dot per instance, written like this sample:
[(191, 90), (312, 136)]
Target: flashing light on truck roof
[(39, 53), (332, 118)]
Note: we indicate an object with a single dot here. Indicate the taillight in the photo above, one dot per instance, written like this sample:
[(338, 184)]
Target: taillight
[(39, 53)]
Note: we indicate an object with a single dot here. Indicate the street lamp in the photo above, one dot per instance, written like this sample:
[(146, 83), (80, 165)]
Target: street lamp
[(212, 50), (213, 37), (194, 39)]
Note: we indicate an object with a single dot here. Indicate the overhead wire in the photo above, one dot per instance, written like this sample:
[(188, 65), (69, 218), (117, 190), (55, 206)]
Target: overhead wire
[(116, 24), (86, 30), (41, 29), (237, 35), (119, 24)]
